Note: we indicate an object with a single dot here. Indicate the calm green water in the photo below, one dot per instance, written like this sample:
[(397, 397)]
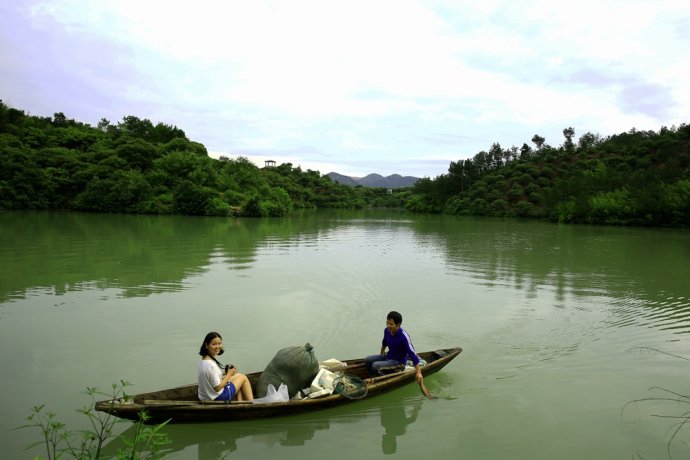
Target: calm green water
[(551, 319)]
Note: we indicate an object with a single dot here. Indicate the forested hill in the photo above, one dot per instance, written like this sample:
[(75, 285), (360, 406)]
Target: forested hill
[(633, 178), (135, 166)]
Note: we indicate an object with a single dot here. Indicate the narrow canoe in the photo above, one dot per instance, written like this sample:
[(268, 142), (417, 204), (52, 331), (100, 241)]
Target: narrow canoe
[(180, 404)]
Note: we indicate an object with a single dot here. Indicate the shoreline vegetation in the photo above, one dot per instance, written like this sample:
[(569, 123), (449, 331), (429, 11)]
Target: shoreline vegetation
[(143, 442), (637, 178)]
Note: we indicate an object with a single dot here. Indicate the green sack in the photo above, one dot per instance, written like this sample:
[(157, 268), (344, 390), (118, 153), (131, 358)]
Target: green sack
[(296, 367)]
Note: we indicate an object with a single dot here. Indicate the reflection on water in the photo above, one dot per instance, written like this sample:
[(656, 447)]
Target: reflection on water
[(641, 280), (394, 419), (216, 442), (627, 268), (219, 440), (67, 252), (667, 313)]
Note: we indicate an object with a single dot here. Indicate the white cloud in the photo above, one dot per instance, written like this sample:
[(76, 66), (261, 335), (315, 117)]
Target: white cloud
[(356, 81)]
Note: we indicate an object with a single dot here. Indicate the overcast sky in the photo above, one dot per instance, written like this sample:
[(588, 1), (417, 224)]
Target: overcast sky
[(355, 87)]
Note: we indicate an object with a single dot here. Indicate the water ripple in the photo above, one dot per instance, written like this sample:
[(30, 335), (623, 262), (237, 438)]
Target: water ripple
[(669, 313)]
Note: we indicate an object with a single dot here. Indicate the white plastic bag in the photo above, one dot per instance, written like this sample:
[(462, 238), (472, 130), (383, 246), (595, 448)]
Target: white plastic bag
[(332, 365), (273, 395)]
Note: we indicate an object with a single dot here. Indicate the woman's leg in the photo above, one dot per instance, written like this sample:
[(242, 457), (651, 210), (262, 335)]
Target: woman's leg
[(243, 387)]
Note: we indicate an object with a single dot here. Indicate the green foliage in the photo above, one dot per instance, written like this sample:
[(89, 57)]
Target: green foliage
[(456, 205), (675, 202), (479, 207), (138, 154), (191, 199), (565, 211), (122, 192), (422, 204), (515, 192), (279, 203), (498, 207), (135, 166), (145, 443), (614, 207), (634, 178), (525, 208)]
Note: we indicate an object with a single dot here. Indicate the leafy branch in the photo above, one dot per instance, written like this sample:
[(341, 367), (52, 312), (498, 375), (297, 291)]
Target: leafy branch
[(145, 444)]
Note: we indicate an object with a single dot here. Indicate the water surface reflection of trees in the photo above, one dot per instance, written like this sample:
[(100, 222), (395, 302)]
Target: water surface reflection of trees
[(140, 255), (143, 255), (633, 267)]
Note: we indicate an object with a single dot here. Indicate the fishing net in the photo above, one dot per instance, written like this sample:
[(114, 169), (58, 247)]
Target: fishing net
[(350, 386)]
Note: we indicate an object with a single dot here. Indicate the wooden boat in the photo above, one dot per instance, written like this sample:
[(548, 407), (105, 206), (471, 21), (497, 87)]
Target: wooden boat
[(181, 405)]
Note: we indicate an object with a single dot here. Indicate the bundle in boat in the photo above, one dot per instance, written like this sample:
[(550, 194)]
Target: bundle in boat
[(296, 367)]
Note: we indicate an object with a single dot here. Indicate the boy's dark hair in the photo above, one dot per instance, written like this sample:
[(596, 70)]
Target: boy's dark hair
[(210, 336), (395, 316)]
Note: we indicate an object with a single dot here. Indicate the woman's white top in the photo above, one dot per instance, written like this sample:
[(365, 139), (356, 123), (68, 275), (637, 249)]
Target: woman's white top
[(210, 376)]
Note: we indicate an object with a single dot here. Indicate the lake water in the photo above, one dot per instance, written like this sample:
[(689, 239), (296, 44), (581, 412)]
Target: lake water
[(561, 326)]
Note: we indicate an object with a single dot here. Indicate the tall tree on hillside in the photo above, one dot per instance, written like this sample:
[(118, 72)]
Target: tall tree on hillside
[(538, 141), (588, 141), (496, 155), (525, 152), (456, 171), (103, 125), (569, 145)]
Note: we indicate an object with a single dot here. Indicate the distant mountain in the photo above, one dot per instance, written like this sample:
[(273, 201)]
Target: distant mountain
[(374, 180), (344, 180)]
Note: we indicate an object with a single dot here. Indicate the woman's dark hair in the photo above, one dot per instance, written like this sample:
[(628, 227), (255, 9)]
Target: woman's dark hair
[(395, 316), (203, 351)]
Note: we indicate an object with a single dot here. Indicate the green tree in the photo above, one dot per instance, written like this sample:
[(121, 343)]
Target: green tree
[(538, 141), (138, 153), (192, 199), (569, 145)]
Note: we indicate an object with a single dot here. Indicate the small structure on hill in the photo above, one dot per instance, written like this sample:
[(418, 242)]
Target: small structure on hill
[(270, 164)]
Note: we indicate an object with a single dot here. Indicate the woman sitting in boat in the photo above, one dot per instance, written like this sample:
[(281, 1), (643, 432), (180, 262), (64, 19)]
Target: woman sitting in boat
[(218, 382)]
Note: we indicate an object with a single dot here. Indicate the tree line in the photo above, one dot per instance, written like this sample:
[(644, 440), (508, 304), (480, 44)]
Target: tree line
[(633, 178), (637, 178), (135, 166)]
